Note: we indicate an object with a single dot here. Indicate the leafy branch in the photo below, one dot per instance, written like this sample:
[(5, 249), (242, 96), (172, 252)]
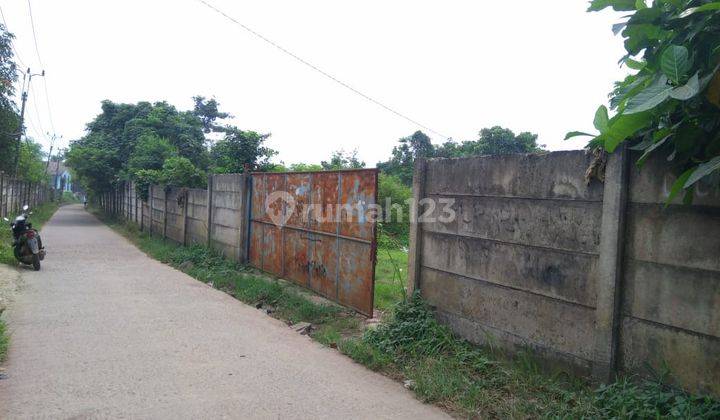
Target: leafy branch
[(672, 101)]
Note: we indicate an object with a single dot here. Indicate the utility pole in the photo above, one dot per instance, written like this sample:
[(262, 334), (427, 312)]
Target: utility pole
[(21, 130), (28, 75), (52, 144), (57, 184)]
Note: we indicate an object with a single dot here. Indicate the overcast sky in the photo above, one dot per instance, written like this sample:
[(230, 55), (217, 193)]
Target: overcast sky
[(453, 66)]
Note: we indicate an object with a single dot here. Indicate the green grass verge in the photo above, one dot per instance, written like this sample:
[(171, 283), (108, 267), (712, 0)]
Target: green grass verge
[(411, 345), (41, 214), (476, 382), (390, 277), (4, 340)]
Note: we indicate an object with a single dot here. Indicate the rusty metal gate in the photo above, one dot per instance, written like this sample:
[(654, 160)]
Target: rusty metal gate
[(317, 229)]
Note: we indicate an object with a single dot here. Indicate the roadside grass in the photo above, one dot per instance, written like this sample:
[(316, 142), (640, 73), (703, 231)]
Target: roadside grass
[(411, 346), (390, 276), (4, 340), (41, 214), (478, 382)]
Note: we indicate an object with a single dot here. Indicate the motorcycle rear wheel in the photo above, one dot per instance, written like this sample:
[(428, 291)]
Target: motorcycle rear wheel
[(36, 262)]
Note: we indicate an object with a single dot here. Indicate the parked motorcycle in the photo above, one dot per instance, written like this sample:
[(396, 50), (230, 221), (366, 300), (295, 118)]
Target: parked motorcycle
[(27, 245)]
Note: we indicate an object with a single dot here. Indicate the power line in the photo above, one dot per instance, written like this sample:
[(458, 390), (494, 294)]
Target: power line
[(12, 44), (37, 111), (37, 51), (324, 73), (32, 24), (47, 102)]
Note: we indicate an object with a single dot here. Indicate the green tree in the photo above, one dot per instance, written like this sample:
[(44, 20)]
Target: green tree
[(97, 168), (208, 112), (393, 196), (342, 160), (31, 167), (305, 167), (9, 118), (239, 148), (126, 138), (671, 104), (492, 141), (150, 152), (403, 157), (180, 172)]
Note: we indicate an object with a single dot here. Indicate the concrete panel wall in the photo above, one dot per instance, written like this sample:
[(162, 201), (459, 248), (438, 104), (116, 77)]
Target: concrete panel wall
[(519, 260), (521, 263), (157, 210), (227, 214), (196, 216), (15, 193), (182, 216), (175, 219), (671, 296)]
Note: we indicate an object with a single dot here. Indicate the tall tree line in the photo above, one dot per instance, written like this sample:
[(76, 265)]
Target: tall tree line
[(30, 166), (157, 143)]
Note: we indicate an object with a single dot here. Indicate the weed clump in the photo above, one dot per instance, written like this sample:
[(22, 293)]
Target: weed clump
[(473, 381)]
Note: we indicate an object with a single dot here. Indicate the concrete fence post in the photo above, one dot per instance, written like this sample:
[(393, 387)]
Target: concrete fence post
[(244, 213), (209, 208), (185, 218), (151, 199), (17, 189), (128, 203), (135, 197), (609, 281), (3, 200), (415, 249), (165, 194), (142, 215)]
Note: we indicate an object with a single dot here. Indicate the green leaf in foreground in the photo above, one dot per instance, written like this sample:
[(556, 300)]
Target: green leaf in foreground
[(601, 121), (650, 97), (650, 149), (617, 5), (703, 170), (623, 126), (678, 185), (577, 134), (688, 90), (675, 62), (704, 8)]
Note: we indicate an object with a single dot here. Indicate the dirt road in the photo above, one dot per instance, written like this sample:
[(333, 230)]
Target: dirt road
[(105, 331)]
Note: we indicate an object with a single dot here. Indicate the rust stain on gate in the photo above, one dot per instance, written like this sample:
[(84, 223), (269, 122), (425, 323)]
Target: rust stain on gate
[(317, 229)]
